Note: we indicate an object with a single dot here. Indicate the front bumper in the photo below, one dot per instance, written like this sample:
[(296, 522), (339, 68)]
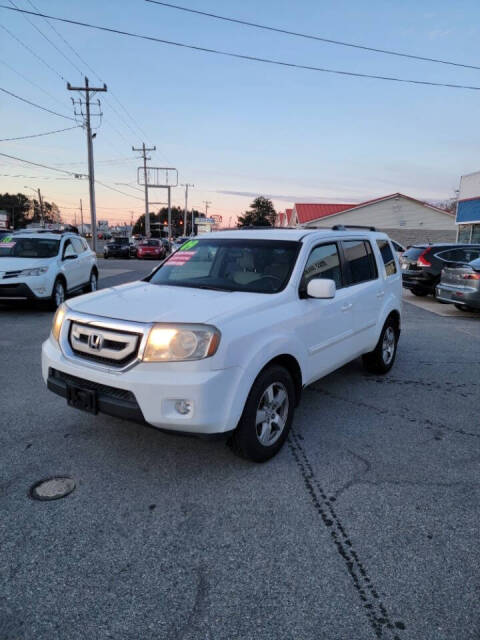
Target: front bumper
[(148, 391), (458, 295), (16, 291)]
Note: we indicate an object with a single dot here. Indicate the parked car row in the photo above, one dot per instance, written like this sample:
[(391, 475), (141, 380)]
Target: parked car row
[(449, 272), (121, 247)]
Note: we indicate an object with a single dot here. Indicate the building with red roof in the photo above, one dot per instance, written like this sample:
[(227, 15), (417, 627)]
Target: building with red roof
[(406, 219)]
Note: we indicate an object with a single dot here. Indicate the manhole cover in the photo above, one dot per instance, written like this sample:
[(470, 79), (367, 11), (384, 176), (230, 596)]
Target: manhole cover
[(52, 488)]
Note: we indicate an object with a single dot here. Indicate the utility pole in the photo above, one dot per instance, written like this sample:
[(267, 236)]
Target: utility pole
[(186, 185), (207, 203), (169, 214), (81, 217), (91, 174), (42, 217), (144, 150)]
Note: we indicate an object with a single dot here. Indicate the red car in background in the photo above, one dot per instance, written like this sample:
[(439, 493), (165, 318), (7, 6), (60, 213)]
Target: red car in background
[(151, 249)]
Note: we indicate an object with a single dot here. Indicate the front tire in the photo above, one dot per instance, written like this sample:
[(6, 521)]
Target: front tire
[(58, 294), (93, 282), (381, 359), (267, 416)]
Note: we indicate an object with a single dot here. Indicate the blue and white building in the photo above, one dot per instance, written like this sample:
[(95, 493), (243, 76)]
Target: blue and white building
[(468, 209)]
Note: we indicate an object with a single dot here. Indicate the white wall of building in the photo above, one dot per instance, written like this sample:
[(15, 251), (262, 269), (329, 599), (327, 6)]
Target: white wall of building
[(395, 213)]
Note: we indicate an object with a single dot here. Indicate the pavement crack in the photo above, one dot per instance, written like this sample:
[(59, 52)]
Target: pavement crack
[(425, 422), (380, 620)]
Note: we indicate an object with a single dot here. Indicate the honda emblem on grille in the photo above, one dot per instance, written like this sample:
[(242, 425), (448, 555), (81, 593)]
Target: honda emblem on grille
[(95, 341)]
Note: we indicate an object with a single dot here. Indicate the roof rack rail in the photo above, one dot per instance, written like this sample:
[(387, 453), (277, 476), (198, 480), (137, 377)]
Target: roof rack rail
[(345, 227)]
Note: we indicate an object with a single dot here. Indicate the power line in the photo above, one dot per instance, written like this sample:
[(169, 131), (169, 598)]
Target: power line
[(117, 190), (312, 37), (240, 56), (44, 166), (85, 63), (44, 62), (34, 84), (38, 135), (34, 104), (44, 36)]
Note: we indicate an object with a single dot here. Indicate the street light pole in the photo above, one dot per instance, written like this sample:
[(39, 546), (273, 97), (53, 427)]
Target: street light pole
[(186, 185)]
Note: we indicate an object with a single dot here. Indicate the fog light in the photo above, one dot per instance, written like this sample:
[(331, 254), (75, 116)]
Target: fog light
[(184, 407)]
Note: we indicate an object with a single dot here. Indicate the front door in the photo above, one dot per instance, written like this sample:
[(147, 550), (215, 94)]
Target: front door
[(325, 326)]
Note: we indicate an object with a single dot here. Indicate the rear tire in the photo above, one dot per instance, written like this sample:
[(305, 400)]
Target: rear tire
[(267, 416), (381, 359), (463, 307)]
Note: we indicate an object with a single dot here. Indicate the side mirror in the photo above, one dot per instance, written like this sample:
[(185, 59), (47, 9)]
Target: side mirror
[(321, 288), (72, 256)]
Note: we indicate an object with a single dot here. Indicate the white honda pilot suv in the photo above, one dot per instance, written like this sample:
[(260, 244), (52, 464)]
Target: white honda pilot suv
[(223, 336), (45, 266)]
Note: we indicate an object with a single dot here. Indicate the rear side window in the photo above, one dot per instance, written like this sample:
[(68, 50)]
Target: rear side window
[(387, 257), (360, 260), (323, 262), (78, 245)]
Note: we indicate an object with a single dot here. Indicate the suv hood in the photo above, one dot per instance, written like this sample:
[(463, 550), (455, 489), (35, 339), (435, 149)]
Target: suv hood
[(145, 302)]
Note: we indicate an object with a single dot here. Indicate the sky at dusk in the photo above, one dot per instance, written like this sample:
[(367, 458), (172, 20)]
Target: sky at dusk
[(235, 128)]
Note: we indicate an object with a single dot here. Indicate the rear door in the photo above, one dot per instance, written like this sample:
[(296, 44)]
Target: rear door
[(366, 289)]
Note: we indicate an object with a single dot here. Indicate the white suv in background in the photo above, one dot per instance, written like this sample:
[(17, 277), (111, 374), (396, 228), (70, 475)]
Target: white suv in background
[(224, 335), (37, 265)]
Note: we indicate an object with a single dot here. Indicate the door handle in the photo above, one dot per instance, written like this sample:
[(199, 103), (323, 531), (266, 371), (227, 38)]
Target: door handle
[(380, 294), (346, 307)]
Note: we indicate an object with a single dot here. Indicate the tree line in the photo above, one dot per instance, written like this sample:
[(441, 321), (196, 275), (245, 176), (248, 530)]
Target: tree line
[(22, 210)]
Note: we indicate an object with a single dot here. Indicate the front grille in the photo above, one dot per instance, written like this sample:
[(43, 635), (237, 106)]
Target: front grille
[(11, 274), (114, 392), (107, 346)]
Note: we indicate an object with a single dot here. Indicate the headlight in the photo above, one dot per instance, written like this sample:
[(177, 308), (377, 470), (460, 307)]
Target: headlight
[(58, 321), (170, 343), (37, 271)]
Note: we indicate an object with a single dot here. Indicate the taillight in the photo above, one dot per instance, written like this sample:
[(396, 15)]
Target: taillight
[(422, 261), (471, 276)]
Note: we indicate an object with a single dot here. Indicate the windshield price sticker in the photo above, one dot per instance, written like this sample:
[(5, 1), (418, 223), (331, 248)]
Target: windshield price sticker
[(180, 258), (7, 240), (188, 245)]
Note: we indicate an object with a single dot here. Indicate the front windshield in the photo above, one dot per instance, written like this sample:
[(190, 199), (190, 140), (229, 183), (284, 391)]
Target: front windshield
[(16, 247), (259, 266)]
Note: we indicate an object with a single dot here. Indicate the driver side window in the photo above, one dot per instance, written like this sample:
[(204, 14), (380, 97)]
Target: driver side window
[(323, 262)]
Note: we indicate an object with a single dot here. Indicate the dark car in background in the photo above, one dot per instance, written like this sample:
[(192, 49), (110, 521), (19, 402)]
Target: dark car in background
[(117, 248), (460, 285), (422, 264), (151, 249)]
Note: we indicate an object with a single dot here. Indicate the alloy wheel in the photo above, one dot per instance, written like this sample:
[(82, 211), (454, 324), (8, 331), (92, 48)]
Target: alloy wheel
[(388, 345), (272, 414)]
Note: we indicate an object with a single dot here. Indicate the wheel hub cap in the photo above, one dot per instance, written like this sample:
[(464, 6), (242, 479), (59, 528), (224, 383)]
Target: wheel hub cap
[(272, 414)]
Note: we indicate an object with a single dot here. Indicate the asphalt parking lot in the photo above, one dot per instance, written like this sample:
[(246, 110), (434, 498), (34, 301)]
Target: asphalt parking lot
[(365, 526)]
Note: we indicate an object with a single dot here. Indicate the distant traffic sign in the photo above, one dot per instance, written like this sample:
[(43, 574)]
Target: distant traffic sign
[(204, 221)]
